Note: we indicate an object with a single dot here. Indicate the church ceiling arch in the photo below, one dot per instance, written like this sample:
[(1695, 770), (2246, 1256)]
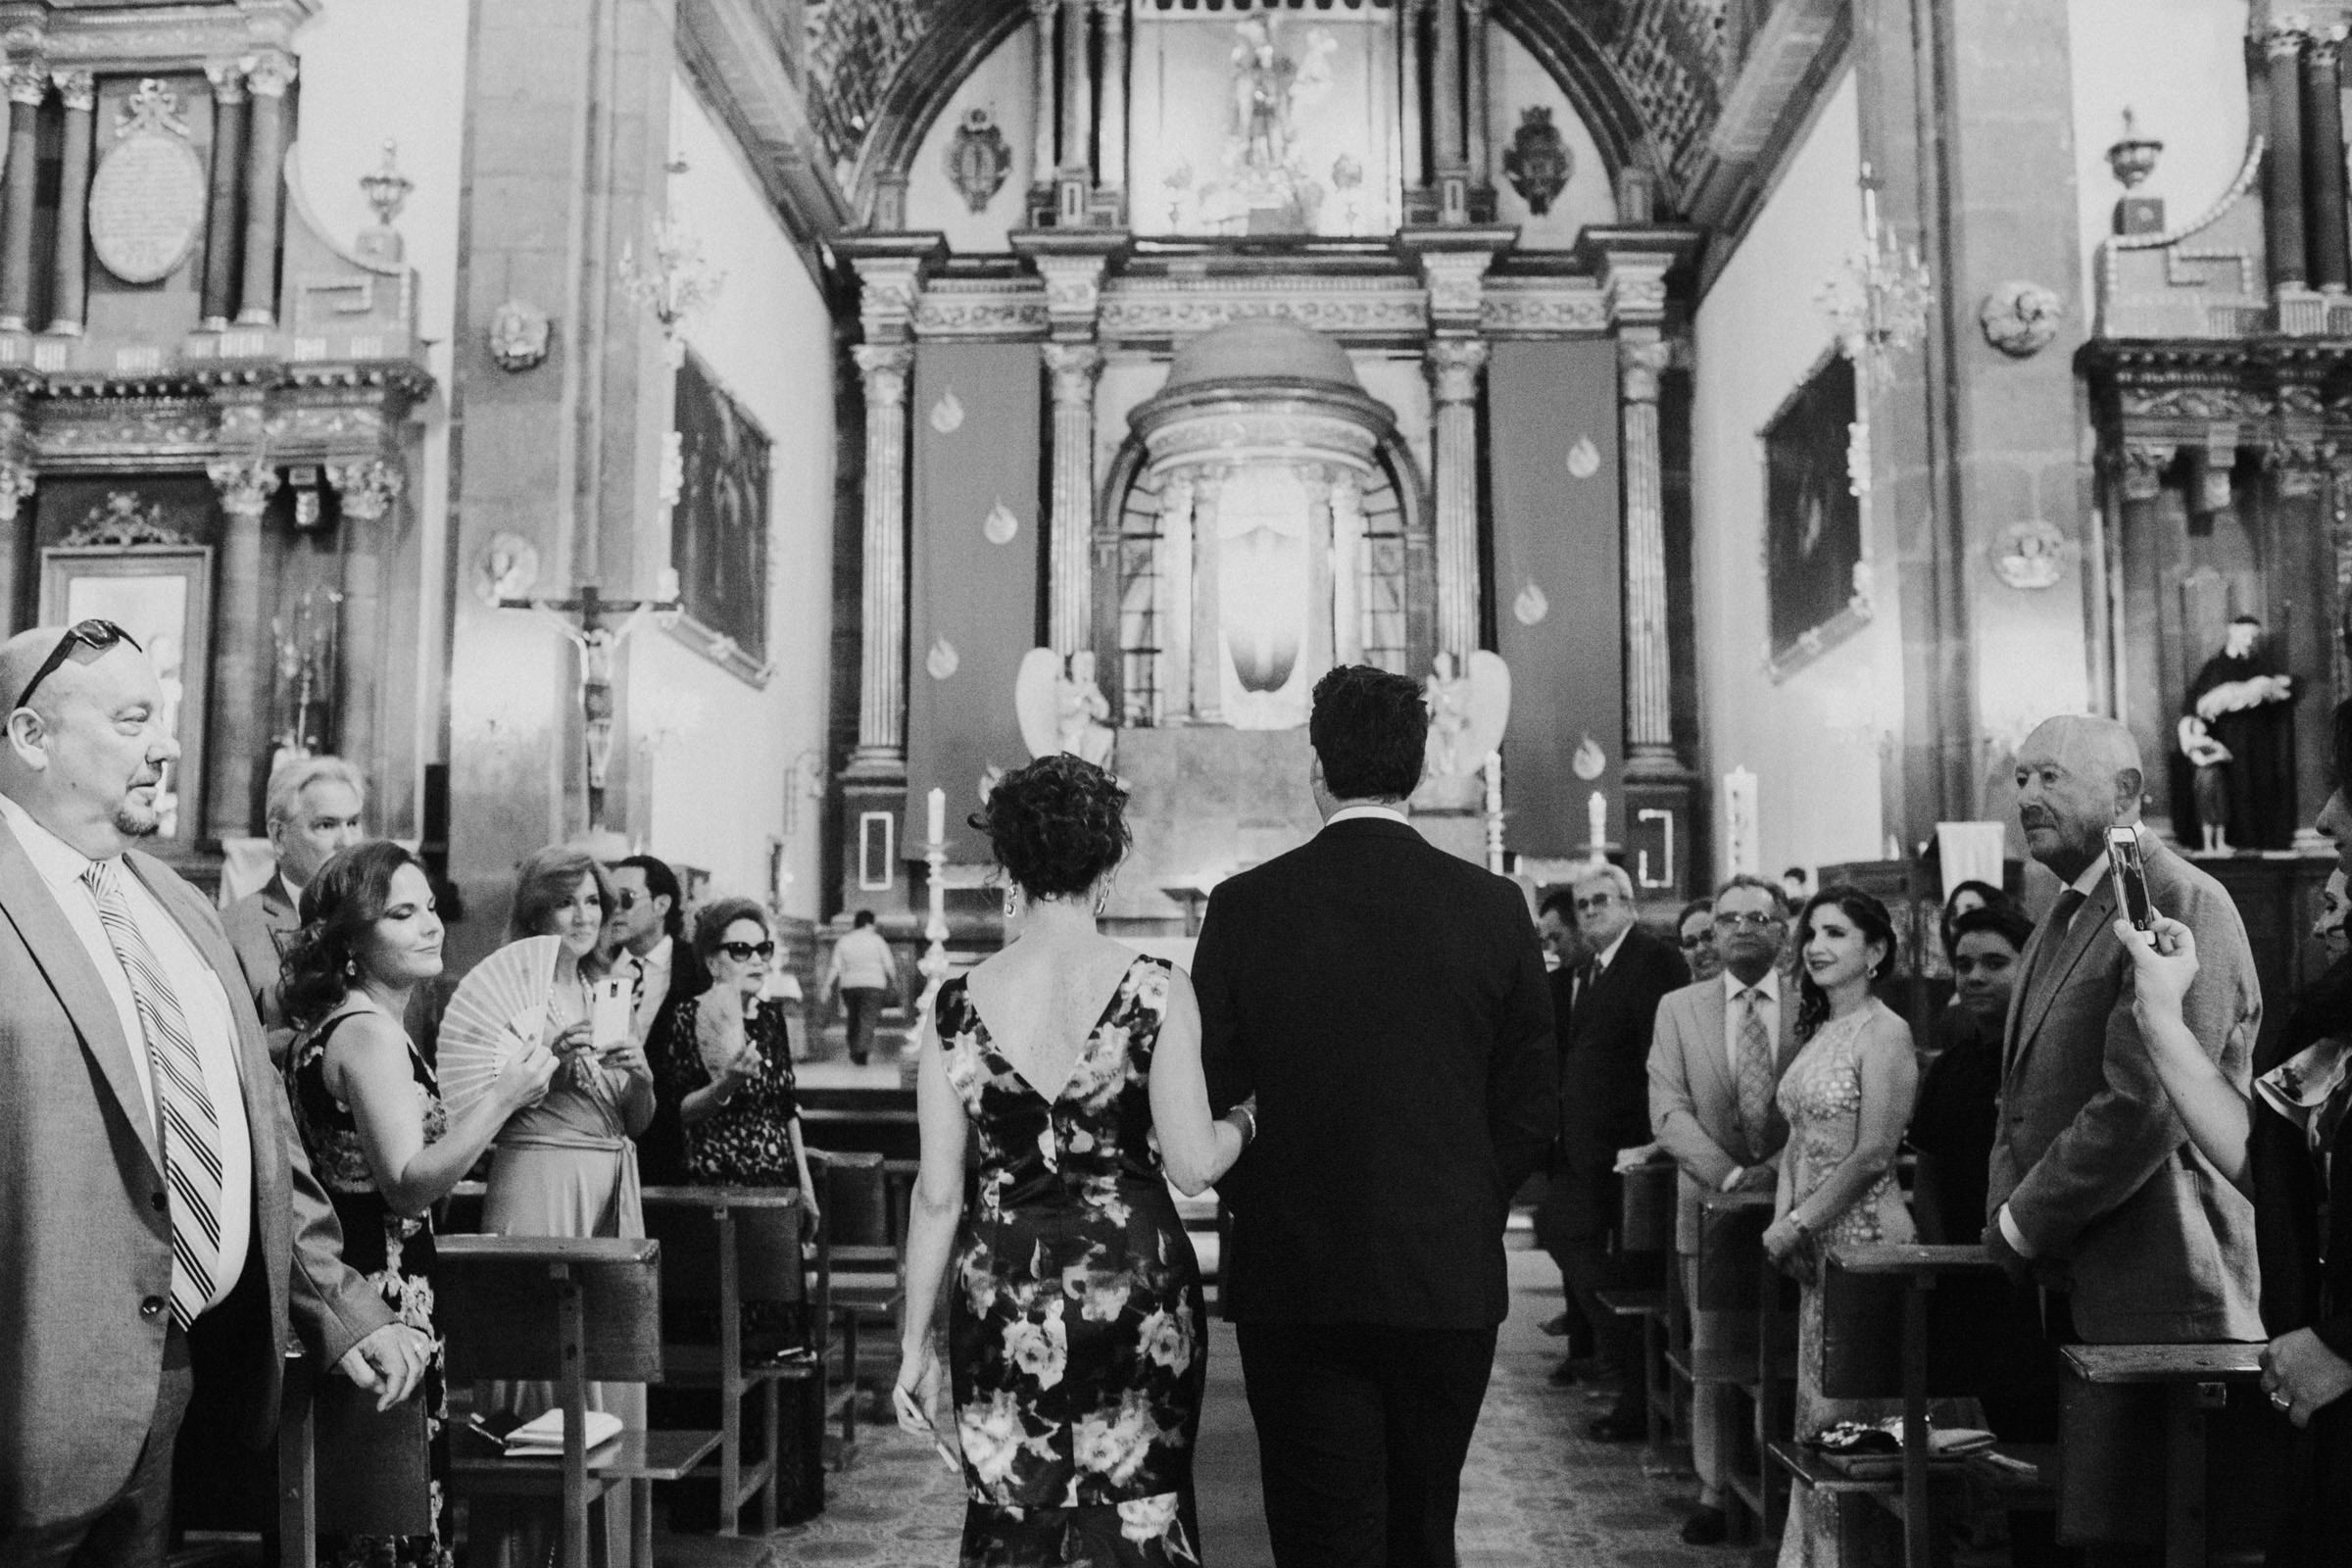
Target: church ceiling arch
[(1646, 75)]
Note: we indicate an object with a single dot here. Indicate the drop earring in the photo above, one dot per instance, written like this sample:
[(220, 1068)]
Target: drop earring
[(1009, 910)]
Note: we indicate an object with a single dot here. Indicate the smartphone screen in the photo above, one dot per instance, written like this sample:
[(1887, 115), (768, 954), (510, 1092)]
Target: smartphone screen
[(2130, 869), (609, 1011)]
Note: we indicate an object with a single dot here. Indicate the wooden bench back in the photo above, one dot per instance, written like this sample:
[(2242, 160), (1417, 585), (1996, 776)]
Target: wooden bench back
[(1981, 1334), (1731, 1272), (369, 1471), (858, 1202), (498, 1299), (1651, 1194), (2113, 1485), (687, 1222)]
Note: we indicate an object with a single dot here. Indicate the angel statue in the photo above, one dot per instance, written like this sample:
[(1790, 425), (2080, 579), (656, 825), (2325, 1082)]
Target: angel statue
[(1467, 712), (1062, 708)]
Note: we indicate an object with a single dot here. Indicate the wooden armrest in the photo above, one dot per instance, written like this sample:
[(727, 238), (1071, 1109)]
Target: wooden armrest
[(1914, 1260), (2163, 1363)]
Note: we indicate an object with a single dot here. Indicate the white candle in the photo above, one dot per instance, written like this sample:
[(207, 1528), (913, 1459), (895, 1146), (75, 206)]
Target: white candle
[(938, 815), (1597, 810)]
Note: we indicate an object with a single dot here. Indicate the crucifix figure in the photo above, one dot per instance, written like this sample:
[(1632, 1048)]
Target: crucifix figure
[(582, 618)]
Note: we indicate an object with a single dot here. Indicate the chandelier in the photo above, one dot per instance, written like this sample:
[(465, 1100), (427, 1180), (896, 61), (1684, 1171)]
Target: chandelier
[(676, 280), (1879, 300)]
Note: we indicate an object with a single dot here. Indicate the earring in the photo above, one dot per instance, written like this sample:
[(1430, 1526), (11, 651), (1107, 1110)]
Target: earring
[(1010, 909), (351, 969)]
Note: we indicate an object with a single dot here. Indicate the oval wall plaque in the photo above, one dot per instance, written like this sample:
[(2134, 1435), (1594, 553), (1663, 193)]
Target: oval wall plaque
[(147, 200)]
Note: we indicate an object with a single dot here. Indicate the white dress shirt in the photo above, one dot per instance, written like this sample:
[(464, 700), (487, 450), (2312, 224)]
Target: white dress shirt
[(212, 1026), (1349, 814), (653, 984)]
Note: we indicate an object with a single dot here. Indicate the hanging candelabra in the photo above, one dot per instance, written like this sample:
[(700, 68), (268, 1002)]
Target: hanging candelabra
[(675, 280), (1879, 300), (305, 670)]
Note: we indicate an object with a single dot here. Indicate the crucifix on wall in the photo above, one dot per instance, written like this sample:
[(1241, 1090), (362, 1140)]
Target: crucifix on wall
[(583, 618)]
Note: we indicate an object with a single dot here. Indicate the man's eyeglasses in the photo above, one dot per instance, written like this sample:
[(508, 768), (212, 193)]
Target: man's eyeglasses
[(745, 952), (94, 634), (1590, 902), (1732, 920), (628, 897)]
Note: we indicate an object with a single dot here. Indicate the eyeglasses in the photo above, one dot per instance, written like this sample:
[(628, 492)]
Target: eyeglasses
[(1732, 920), (745, 952), (94, 634), (1705, 938), (1594, 901), (628, 899)]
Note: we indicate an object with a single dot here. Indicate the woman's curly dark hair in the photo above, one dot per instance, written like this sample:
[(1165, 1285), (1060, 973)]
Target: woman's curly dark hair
[(340, 906), (1871, 921), (1056, 825)]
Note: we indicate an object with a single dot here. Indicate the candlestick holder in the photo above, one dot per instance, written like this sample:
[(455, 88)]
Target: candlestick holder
[(934, 965), (1495, 850)]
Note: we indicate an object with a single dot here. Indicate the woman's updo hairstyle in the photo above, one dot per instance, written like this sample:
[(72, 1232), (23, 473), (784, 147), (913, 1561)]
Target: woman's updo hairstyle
[(1056, 825), (328, 957)]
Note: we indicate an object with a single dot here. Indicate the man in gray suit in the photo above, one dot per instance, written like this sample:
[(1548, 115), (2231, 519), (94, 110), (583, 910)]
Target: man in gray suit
[(158, 1221), (314, 812), (1715, 1060), (2096, 1191)]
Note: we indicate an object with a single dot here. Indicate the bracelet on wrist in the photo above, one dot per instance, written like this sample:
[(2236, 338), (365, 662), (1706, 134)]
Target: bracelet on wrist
[(1248, 1123)]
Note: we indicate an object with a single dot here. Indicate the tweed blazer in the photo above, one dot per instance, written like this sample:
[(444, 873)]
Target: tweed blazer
[(83, 1229), (2113, 1201), (1693, 1099)]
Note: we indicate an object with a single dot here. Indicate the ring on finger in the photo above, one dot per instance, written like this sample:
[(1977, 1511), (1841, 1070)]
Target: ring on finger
[(2280, 1401)]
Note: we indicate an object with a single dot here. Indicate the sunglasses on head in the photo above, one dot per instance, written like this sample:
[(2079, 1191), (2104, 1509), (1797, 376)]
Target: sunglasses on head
[(94, 634), (745, 952)]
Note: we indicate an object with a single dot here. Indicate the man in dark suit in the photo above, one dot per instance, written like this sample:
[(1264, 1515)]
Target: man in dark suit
[(1386, 1004), (1606, 1006), (158, 1223), (314, 805)]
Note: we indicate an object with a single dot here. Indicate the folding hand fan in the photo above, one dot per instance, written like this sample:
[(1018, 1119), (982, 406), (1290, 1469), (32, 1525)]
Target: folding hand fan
[(500, 1007)]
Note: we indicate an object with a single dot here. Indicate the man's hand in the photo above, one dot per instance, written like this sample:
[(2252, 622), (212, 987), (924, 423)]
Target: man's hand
[(2303, 1376), (1756, 1179), (2013, 1264), (389, 1363)]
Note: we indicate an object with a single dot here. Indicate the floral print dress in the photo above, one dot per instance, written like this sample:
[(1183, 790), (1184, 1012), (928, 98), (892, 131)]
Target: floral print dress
[(1076, 1324), (395, 1256)]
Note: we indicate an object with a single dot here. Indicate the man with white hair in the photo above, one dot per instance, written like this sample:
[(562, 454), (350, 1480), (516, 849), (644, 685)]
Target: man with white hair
[(314, 812)]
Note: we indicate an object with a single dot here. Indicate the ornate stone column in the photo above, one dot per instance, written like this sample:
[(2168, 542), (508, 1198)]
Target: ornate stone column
[(1642, 358), (1408, 91), (1347, 570), (220, 210), (69, 282), (1040, 153), (1112, 138), (1453, 365), (1069, 597), (1208, 610), (1175, 605), (366, 492), (1445, 116), (246, 486), (1474, 93), (2282, 170), (16, 483), (268, 79), (27, 85), (882, 669), (1077, 175), (2324, 161)]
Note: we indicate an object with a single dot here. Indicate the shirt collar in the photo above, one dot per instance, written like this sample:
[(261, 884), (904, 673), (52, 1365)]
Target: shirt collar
[(1349, 814), (1608, 954), (1767, 989), (656, 958), (60, 864), (2092, 875), (292, 887)]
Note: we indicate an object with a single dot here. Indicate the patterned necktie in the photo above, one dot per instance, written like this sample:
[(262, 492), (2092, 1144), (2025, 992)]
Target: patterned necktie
[(1754, 1075), (191, 1128), (2054, 935)]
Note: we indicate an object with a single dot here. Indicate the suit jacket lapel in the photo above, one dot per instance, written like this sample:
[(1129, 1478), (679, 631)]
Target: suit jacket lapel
[(277, 903), (2047, 977), (1714, 1048), (33, 910)]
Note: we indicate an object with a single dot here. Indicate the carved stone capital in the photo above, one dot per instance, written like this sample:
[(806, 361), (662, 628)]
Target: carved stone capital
[(1073, 290), (1075, 366), (16, 483), (888, 288), (2298, 463), (885, 367), (78, 88), (368, 489), (1640, 362), (1454, 364), (228, 81), (269, 75), (2286, 35), (2140, 466), (28, 83), (245, 484), (1635, 286)]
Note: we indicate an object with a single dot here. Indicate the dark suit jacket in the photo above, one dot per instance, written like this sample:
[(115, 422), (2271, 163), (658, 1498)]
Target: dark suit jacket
[(257, 925), (1385, 1002), (661, 1146), (83, 1232), (1604, 1050), (2113, 1200), (2291, 1196)]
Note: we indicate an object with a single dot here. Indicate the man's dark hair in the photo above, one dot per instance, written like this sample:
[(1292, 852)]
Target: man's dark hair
[(2003, 919), (1561, 900), (1748, 879), (865, 917), (663, 883), (1705, 907), (1370, 729)]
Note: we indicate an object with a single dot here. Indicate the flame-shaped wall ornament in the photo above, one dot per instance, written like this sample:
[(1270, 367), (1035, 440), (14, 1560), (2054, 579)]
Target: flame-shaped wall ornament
[(990, 778), (1531, 606), (943, 660), (1590, 760), (1584, 459), (946, 414), (1001, 524)]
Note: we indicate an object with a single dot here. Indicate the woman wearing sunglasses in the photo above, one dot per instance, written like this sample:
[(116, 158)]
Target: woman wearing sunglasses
[(725, 1063)]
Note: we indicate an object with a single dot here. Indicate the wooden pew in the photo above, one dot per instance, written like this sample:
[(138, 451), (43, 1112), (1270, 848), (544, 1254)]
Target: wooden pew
[(572, 1310), (2193, 1416), (722, 1247), (1645, 1249), (344, 1468), (1733, 1276), (865, 1264)]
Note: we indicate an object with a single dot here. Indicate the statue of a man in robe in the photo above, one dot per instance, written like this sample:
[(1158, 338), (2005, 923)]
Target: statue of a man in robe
[(2247, 705)]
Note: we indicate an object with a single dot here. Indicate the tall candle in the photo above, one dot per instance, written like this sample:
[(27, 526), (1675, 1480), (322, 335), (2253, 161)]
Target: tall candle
[(1597, 810), (938, 815)]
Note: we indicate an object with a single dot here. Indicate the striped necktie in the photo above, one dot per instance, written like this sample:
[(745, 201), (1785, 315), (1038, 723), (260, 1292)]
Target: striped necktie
[(191, 1128), (1756, 1079)]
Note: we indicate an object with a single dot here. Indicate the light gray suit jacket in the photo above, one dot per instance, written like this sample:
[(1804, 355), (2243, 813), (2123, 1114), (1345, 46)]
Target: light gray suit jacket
[(257, 925), (85, 1245), (2114, 1201), (1694, 1101)]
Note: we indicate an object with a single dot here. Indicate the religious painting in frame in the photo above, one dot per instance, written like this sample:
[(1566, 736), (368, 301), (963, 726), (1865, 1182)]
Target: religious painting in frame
[(162, 595), (718, 527), (1817, 574)]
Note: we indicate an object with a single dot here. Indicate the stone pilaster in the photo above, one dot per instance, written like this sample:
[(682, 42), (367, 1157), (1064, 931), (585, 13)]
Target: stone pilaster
[(1474, 153), (2324, 161), (269, 81), (366, 492), (69, 282), (1112, 138), (1453, 365), (1070, 591), (1208, 609), (1642, 356), (1040, 153), (1075, 179), (1175, 605), (245, 486), (1347, 570), (1408, 92), (220, 209), (2282, 170), (882, 669), (1445, 116), (27, 86)]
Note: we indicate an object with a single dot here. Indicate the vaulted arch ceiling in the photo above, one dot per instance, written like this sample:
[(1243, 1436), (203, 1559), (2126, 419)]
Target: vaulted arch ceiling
[(1647, 76)]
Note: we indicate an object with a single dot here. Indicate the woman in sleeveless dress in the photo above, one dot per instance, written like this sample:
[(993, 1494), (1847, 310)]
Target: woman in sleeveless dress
[(369, 1112), (1847, 1098), (1077, 1338)]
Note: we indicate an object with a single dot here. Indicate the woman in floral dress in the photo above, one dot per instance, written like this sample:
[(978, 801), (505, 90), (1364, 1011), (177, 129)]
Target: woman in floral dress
[(1847, 1098), (369, 1112), (1076, 1331)]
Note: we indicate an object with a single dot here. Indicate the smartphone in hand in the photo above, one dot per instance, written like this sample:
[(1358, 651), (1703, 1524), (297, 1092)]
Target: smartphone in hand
[(610, 1006), (2128, 866)]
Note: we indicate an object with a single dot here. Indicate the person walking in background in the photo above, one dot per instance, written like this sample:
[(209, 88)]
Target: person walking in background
[(159, 1224), (1604, 1009), (369, 1111), (1077, 1338), (1847, 1097), (1695, 934), (1385, 1003), (1715, 1062), (1953, 1126), (865, 976), (314, 808)]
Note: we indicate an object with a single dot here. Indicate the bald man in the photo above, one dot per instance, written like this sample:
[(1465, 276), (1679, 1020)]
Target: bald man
[(159, 1224)]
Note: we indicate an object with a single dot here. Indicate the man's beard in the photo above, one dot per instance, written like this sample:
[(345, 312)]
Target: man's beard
[(136, 821)]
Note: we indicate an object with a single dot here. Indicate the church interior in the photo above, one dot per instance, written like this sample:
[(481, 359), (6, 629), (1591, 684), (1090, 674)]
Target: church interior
[(742, 430)]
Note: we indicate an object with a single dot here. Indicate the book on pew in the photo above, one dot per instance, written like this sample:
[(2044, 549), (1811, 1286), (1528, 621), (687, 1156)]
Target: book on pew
[(542, 1436), (1873, 1451)]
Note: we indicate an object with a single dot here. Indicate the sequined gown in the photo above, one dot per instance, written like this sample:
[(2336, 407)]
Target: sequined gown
[(1821, 1095), (1075, 1327)]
